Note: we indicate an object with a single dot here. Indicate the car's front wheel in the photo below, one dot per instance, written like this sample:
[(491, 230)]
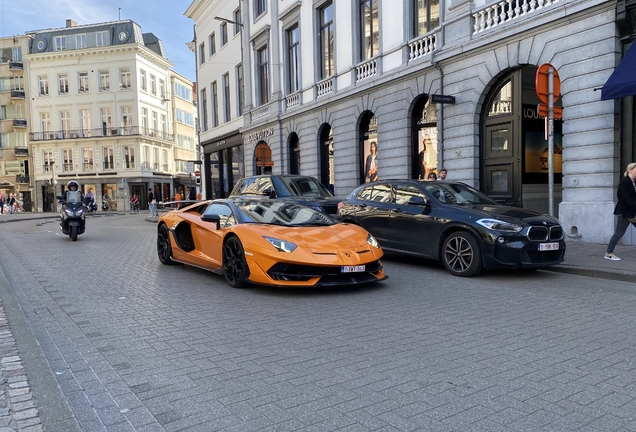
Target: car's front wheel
[(234, 264), (461, 254), (164, 249)]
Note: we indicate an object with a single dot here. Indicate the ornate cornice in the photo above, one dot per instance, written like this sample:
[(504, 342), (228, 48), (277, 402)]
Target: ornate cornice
[(107, 50)]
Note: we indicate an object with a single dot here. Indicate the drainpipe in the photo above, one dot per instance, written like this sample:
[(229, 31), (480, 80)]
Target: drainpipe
[(440, 144), (440, 43)]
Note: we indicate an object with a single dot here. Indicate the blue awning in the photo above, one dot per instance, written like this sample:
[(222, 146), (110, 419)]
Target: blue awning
[(622, 82)]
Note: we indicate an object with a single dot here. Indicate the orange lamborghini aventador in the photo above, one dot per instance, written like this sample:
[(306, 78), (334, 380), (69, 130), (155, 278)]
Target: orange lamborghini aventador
[(269, 242)]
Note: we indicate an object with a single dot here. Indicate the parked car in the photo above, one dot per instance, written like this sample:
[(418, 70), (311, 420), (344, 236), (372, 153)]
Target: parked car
[(454, 223), (301, 189), (268, 242)]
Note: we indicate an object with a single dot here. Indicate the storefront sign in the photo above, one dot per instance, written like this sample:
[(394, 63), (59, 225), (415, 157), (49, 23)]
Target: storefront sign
[(260, 135), (226, 142)]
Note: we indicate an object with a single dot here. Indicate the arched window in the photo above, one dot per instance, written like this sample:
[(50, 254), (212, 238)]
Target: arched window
[(369, 148), (263, 158), (424, 138), (294, 154), (327, 174)]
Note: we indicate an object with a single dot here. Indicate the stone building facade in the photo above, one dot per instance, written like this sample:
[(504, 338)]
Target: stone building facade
[(432, 84)]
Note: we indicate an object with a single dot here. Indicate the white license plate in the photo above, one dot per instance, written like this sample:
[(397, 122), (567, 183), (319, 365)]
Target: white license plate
[(548, 246), (352, 269)]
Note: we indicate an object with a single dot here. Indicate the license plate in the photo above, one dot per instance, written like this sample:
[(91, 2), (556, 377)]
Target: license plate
[(352, 269), (548, 246)]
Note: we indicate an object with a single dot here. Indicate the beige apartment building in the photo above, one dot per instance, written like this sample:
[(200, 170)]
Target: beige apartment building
[(185, 138), (15, 161), (100, 112)]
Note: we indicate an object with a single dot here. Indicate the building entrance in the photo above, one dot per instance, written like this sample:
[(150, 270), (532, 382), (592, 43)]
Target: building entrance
[(514, 162)]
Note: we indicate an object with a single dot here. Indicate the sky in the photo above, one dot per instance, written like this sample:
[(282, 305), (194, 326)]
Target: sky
[(164, 18)]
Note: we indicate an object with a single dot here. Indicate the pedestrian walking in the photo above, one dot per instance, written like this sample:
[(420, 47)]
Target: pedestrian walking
[(11, 203), (1, 202), (152, 202), (442, 174), (625, 209)]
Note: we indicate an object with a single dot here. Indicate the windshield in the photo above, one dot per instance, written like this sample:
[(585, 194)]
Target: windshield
[(300, 186), (73, 196), (282, 213), (457, 194)]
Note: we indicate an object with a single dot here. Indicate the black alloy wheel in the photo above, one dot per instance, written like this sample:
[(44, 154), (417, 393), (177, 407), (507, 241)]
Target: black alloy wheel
[(235, 267), (164, 249), (461, 254)]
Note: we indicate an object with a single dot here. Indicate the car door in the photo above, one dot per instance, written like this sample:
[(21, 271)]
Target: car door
[(373, 206), (208, 240), (412, 222)]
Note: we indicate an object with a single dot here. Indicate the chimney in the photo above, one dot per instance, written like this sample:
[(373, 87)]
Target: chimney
[(70, 23)]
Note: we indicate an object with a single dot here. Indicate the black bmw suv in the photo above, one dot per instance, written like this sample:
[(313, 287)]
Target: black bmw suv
[(454, 223), (301, 189)]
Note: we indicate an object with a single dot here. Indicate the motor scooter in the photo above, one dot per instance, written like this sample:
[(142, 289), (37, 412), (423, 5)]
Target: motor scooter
[(72, 218)]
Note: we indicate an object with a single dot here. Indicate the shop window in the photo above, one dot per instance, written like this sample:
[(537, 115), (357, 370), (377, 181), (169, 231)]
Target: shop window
[(424, 138), (369, 148)]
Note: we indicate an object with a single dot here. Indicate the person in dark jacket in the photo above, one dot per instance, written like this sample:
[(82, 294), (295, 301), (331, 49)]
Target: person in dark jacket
[(625, 209)]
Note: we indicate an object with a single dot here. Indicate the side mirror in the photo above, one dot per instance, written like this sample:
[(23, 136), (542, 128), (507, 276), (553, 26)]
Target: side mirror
[(418, 201), (60, 197), (212, 218)]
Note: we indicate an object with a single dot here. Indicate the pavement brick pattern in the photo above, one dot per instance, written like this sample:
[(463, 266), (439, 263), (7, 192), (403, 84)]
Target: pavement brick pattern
[(17, 408), (137, 346)]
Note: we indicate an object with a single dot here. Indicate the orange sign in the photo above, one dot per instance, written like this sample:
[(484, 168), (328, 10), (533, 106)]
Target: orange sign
[(542, 85), (542, 110), (263, 155)]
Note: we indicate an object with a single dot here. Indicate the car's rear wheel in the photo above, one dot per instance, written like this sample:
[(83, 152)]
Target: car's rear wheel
[(461, 254), (164, 249), (234, 264)]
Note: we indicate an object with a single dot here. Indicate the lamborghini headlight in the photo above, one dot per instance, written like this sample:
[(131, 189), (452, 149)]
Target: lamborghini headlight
[(497, 225), (281, 245), (372, 241)]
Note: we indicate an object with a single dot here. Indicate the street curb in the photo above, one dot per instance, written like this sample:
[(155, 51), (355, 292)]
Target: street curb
[(616, 275)]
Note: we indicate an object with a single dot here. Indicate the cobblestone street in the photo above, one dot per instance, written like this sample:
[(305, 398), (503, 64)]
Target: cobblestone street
[(131, 345)]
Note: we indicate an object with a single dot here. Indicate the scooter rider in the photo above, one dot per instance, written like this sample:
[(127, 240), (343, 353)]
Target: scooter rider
[(73, 194), (72, 219)]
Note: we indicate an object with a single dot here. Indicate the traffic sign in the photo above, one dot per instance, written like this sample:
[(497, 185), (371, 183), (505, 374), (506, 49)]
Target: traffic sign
[(541, 83), (197, 173), (542, 110)]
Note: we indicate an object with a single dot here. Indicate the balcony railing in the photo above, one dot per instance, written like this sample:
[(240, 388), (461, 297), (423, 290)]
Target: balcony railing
[(324, 87), (261, 112), (17, 94), (505, 12), (292, 100), (21, 123), (16, 65), (21, 151), (422, 46), (366, 70), (24, 179), (100, 132)]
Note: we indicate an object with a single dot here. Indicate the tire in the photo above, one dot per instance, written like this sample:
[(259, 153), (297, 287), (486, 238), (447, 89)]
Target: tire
[(73, 234), (164, 249), (235, 267), (461, 254)]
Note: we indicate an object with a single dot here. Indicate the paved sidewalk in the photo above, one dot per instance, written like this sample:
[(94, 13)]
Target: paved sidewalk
[(585, 259)]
